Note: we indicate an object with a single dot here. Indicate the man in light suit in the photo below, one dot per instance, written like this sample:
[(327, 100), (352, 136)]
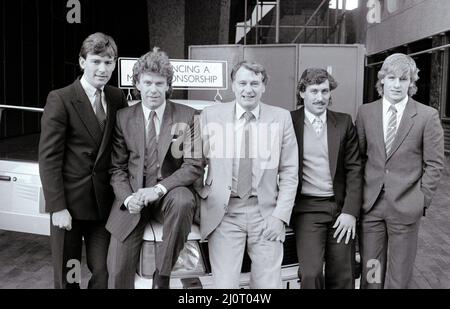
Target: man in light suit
[(402, 149), (153, 170), (74, 158), (329, 193), (252, 158)]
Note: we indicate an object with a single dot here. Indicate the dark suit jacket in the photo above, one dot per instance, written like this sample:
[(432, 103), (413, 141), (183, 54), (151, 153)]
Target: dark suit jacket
[(344, 159), (411, 172), (178, 131), (74, 155)]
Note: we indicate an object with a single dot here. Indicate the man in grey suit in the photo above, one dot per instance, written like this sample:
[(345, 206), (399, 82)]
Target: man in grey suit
[(402, 148), (153, 170), (252, 157)]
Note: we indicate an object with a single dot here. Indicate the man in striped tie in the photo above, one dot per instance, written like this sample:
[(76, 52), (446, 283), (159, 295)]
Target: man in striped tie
[(402, 147), (250, 188)]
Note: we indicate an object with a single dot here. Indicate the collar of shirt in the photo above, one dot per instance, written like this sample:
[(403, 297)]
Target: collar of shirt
[(159, 112), (89, 89), (240, 111), (400, 106), (310, 116)]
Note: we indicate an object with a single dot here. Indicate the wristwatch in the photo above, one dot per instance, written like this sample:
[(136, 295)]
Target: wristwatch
[(158, 191)]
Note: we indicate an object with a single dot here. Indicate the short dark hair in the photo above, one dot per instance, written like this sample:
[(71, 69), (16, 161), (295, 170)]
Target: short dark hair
[(99, 44), (155, 61), (251, 66), (314, 76)]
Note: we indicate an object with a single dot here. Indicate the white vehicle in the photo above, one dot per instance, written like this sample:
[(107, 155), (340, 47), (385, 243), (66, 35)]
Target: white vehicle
[(22, 209)]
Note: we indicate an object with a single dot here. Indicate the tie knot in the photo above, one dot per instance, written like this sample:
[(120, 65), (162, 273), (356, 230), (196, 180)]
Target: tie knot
[(98, 92), (393, 109), (248, 116), (317, 120), (152, 115)]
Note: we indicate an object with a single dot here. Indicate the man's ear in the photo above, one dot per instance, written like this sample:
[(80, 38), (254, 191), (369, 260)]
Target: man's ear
[(302, 94), (82, 62)]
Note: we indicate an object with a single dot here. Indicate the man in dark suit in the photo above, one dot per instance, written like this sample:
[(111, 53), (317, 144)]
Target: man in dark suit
[(329, 193), (74, 158), (402, 150), (153, 170)]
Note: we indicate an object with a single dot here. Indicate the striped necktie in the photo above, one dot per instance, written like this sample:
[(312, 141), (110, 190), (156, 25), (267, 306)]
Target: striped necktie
[(98, 109), (244, 185), (151, 153), (392, 129)]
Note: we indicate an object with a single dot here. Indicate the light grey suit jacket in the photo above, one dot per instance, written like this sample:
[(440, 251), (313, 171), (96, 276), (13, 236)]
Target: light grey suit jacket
[(277, 177), (411, 172)]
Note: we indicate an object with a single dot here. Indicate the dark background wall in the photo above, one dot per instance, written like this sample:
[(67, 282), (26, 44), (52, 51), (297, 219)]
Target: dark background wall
[(39, 49)]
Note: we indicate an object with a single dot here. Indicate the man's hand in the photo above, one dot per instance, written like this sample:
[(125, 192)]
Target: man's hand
[(273, 228), (135, 204), (62, 219), (345, 226), (147, 195)]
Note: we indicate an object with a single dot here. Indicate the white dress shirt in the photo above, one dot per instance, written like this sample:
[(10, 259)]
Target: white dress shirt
[(90, 92), (310, 116)]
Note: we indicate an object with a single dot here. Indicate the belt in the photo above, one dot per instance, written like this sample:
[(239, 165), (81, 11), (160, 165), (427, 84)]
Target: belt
[(318, 198)]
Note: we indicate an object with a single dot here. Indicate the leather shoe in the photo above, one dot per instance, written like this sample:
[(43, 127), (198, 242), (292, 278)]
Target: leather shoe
[(159, 281)]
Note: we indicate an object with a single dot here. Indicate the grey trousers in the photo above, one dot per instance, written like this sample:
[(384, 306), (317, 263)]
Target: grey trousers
[(243, 225), (175, 211), (388, 248)]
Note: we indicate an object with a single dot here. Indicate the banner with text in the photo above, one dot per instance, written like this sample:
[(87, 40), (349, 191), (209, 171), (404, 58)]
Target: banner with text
[(188, 74)]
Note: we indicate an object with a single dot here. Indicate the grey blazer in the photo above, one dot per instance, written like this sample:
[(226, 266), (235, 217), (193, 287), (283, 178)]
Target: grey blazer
[(277, 178), (411, 172)]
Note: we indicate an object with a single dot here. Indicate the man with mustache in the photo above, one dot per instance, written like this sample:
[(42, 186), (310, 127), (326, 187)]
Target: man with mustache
[(329, 193), (402, 150)]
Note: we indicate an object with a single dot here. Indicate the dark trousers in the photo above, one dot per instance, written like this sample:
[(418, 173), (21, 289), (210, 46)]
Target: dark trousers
[(67, 249), (313, 220), (388, 248), (176, 212)]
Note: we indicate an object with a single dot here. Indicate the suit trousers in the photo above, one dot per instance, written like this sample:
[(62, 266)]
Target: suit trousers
[(67, 247), (176, 211), (388, 248), (242, 226), (313, 219)]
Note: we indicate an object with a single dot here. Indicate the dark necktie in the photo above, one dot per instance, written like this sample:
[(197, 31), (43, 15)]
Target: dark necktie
[(391, 130), (98, 109), (151, 153), (244, 182)]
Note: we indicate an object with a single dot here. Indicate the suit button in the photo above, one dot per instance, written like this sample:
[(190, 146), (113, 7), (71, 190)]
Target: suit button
[(387, 171), (157, 165)]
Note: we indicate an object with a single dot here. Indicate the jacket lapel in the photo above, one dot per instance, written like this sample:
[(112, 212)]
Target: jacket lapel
[(265, 119), (84, 109), (333, 138), (138, 132), (165, 132), (378, 125), (406, 124), (111, 111)]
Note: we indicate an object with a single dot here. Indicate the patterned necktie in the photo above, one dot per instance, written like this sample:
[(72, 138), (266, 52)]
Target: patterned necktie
[(318, 125), (98, 109), (244, 184), (391, 130), (151, 153)]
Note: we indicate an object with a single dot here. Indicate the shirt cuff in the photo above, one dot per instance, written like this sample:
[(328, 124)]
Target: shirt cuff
[(164, 190), (127, 200)]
